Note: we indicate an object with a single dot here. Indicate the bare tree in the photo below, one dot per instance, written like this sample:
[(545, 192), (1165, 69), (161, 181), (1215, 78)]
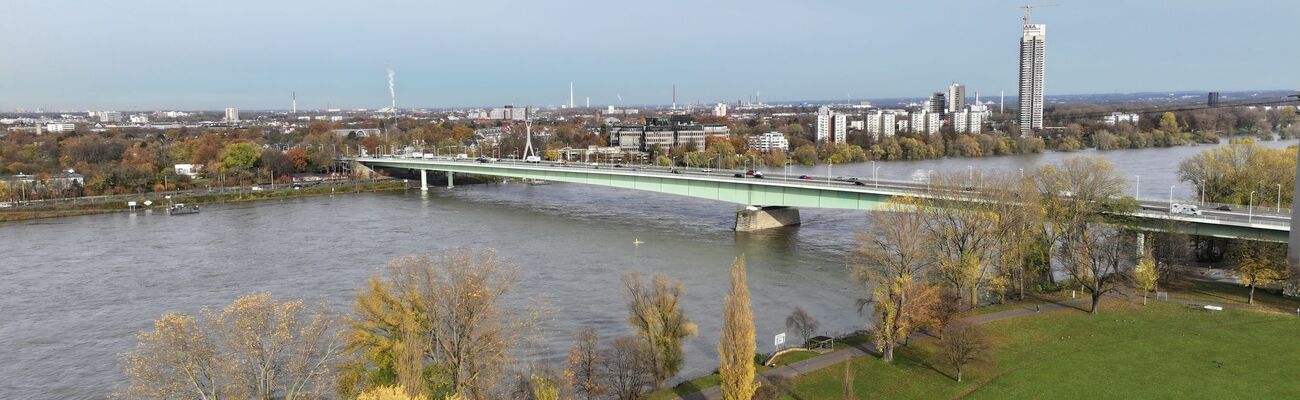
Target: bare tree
[(802, 323), (891, 259), (962, 343), (256, 348), (655, 312), (584, 365), (1097, 258), (627, 368), (962, 233)]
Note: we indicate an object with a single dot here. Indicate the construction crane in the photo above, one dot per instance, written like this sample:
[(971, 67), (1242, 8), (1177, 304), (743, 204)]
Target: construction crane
[(1029, 8)]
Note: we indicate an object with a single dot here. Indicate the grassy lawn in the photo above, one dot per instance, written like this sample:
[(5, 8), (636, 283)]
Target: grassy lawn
[(1229, 293), (1163, 350)]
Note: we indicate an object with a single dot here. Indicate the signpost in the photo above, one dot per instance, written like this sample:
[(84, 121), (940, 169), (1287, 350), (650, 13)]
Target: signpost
[(780, 339)]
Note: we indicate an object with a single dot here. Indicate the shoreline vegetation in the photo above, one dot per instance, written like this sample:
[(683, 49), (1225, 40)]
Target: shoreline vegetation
[(57, 208)]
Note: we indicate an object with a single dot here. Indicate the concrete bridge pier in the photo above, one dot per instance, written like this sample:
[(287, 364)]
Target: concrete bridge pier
[(450, 182), (424, 180), (755, 218)]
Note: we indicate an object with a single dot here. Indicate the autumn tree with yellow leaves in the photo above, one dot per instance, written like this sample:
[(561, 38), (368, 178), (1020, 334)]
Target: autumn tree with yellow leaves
[(736, 342), (655, 313)]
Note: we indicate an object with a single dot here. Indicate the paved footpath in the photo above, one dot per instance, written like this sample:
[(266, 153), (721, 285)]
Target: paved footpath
[(837, 357)]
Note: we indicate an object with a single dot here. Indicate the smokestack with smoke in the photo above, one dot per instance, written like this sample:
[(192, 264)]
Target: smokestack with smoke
[(392, 91)]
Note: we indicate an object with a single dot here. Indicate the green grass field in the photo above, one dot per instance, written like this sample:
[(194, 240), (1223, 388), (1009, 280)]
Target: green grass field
[(1163, 350)]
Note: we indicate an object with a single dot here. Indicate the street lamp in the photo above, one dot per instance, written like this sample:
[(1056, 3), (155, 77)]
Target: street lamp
[(1137, 187), (1250, 218), (875, 176), (1279, 197), (1171, 198)]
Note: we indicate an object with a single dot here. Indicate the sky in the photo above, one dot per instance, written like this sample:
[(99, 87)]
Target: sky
[(253, 54)]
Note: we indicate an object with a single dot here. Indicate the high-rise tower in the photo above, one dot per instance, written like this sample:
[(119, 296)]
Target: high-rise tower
[(1032, 58)]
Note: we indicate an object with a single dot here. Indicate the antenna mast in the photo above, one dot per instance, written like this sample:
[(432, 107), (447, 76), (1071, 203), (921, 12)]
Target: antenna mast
[(1029, 8)]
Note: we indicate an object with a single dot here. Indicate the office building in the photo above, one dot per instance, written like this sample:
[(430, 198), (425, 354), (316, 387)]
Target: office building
[(1117, 117), (956, 98), (232, 114), (109, 116), (665, 133), (720, 110), (881, 123), (60, 127), (140, 119), (767, 142), (832, 127), (1032, 59), (938, 103)]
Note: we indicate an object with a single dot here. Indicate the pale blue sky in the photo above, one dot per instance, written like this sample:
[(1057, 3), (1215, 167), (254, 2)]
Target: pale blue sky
[(191, 54)]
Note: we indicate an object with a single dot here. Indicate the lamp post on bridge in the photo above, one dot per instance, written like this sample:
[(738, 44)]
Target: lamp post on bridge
[(1250, 217), (1171, 199), (1279, 197), (875, 176)]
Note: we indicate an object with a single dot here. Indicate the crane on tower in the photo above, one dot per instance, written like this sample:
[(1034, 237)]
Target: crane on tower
[(1029, 8)]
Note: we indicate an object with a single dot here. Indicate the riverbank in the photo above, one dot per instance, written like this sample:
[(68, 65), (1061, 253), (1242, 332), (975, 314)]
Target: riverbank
[(74, 207)]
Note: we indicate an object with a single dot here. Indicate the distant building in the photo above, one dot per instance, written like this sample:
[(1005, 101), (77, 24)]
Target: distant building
[(665, 132), (881, 123), (139, 119), (767, 142), (232, 114), (937, 103), (720, 110), (1213, 99), (109, 116), (190, 170), (967, 121), (502, 114), (832, 127), (356, 132), (60, 127), (925, 121), (1117, 117), (1032, 58), (956, 98)]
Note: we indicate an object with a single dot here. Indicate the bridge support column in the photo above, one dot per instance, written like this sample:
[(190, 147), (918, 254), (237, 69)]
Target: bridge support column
[(1141, 244), (424, 180), (758, 218), (450, 182)]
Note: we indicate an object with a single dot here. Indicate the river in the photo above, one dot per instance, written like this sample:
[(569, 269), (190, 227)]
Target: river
[(76, 290)]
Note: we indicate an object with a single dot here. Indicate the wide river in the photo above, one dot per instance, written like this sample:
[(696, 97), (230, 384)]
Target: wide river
[(74, 291)]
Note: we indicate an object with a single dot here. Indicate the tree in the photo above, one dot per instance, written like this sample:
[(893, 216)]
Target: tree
[(1169, 123), (627, 368), (891, 258), (805, 155), (255, 348), (848, 380), (802, 323), (1227, 174), (298, 158), (1145, 276), (736, 342), (1258, 264), (964, 235), (583, 367), (962, 343), (435, 326), (655, 312), (1096, 260), (240, 156)]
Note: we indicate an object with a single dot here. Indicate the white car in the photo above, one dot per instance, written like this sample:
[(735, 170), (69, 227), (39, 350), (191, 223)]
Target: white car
[(256, 188), (1184, 209)]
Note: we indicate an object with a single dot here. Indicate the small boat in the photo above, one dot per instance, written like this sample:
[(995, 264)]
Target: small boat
[(181, 209)]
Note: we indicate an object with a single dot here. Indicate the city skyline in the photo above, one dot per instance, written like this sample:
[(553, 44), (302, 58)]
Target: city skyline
[(145, 57)]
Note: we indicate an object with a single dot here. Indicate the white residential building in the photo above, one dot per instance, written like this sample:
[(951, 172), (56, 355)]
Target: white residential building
[(1032, 60), (60, 127), (1117, 117), (956, 98), (831, 126), (967, 121), (769, 141), (720, 110), (139, 119), (924, 121), (232, 114), (881, 123)]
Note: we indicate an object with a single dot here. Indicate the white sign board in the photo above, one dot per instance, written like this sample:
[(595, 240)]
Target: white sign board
[(780, 339), (130, 204), (148, 202)]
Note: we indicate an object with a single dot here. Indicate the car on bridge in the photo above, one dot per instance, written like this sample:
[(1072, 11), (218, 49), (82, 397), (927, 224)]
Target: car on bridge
[(1184, 209), (806, 177)]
